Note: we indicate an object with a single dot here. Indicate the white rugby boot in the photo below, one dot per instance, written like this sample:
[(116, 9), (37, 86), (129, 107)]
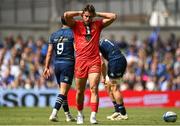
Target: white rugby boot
[(80, 119), (53, 118), (69, 117), (121, 117), (93, 118), (113, 116)]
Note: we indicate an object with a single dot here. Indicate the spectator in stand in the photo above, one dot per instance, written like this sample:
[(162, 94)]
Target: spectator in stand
[(41, 49), (176, 81), (9, 41), (31, 44), (172, 42), (168, 61), (131, 54), (135, 41), (123, 44), (156, 72), (7, 79), (129, 77), (141, 69)]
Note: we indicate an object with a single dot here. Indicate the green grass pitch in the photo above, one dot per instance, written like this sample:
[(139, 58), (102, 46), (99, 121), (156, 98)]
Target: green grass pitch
[(39, 116)]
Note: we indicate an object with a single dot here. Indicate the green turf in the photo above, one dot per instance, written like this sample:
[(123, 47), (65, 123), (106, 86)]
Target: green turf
[(39, 116)]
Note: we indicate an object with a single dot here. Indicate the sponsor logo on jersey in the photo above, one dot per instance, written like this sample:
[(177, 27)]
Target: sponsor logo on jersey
[(112, 74), (118, 74), (55, 40), (66, 78)]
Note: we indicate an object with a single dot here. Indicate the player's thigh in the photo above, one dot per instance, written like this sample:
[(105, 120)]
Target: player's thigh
[(94, 72), (94, 66), (116, 68), (64, 72), (81, 69), (94, 79), (64, 88)]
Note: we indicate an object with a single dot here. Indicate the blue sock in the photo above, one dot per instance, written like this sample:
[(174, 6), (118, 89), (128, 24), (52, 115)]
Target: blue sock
[(59, 101), (121, 108), (115, 106), (65, 105)]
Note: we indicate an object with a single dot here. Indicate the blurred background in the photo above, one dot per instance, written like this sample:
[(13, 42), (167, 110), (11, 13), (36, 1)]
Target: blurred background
[(36, 17), (147, 32)]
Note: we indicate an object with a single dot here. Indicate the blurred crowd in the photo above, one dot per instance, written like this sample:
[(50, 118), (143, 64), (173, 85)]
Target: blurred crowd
[(153, 63), (22, 62)]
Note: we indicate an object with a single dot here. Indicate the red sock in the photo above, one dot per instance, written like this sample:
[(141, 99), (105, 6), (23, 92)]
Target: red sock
[(94, 107), (80, 107)]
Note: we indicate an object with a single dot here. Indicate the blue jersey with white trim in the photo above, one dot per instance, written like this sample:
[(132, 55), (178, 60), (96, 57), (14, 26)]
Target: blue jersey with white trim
[(109, 49), (62, 41)]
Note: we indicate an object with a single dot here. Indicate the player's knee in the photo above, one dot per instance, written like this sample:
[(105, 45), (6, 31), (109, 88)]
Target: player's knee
[(114, 88), (94, 89), (114, 82), (64, 93), (79, 91)]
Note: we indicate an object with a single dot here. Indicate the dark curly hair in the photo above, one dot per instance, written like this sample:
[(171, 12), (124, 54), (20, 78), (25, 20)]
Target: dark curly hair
[(63, 21), (90, 8)]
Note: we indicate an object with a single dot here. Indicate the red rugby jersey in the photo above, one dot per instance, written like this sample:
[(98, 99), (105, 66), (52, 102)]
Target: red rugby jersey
[(85, 49)]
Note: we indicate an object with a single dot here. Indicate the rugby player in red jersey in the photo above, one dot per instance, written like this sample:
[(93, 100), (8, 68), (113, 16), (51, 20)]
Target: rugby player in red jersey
[(88, 63)]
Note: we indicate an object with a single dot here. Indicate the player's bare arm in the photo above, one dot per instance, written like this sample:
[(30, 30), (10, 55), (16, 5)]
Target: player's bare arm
[(69, 16), (46, 72), (108, 18)]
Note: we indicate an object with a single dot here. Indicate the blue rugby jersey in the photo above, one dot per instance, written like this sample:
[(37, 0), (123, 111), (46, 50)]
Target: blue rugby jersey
[(109, 49), (62, 41)]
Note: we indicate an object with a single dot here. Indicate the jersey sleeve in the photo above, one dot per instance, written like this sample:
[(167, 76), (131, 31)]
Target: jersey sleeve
[(51, 39), (99, 23), (75, 25)]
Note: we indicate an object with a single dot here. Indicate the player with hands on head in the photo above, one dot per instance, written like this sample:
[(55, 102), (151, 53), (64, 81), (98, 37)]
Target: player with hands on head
[(88, 62)]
